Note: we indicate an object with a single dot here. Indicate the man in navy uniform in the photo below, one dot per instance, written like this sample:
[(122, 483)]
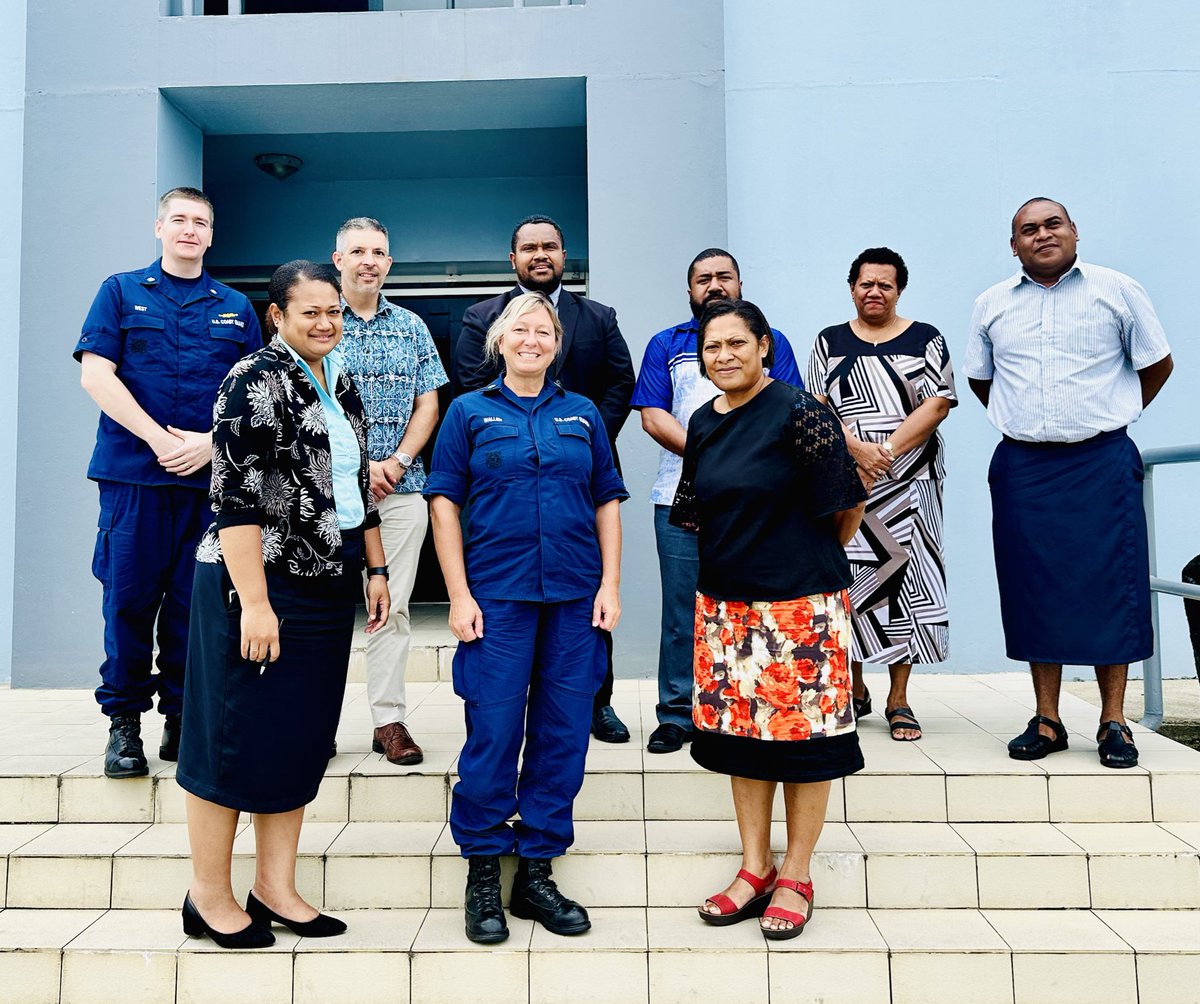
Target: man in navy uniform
[(155, 346), (594, 361)]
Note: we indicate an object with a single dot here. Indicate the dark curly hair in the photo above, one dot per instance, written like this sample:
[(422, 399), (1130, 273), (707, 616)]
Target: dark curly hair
[(880, 256)]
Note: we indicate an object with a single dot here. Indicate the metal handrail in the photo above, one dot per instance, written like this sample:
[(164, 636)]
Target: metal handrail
[(1152, 715)]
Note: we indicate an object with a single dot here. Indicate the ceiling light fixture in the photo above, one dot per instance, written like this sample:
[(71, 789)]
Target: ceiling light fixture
[(279, 166)]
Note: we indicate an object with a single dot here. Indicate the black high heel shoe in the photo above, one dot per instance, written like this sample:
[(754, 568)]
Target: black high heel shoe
[(254, 935), (321, 926)]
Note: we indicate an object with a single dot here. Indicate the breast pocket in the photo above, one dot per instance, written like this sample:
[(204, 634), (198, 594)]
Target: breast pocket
[(494, 452), (145, 339), (228, 341), (226, 344), (575, 445)]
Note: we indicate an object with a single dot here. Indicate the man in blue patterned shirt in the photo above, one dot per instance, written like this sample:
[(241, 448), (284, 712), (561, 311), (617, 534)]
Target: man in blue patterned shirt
[(390, 354)]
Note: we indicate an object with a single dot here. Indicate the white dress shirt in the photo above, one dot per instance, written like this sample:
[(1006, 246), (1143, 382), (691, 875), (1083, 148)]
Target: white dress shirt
[(553, 296), (1063, 359)]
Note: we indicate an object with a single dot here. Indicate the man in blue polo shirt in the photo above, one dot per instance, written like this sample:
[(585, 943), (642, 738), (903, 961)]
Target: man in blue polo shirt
[(155, 346), (669, 388)]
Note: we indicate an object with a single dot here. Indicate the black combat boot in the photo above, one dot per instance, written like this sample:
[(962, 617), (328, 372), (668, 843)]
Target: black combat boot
[(169, 747), (536, 897), (485, 915), (124, 756)]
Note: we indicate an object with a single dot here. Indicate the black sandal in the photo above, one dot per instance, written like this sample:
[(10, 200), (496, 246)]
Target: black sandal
[(862, 705), (909, 722), (1032, 745), (1116, 745)]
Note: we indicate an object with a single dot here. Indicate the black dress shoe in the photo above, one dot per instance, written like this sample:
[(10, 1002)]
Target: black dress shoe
[(535, 896), (1116, 745), (169, 747), (668, 738), (485, 916), (1032, 745), (607, 727), (321, 926), (254, 935), (124, 756)]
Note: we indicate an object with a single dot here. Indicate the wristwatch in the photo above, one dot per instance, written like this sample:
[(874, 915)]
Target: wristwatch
[(378, 570), (887, 445), (405, 460)]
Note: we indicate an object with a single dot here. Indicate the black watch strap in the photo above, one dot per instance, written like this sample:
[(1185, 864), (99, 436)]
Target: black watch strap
[(380, 570)]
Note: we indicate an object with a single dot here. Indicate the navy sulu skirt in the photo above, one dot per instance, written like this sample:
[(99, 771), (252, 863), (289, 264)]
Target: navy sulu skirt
[(259, 741), (1069, 533)]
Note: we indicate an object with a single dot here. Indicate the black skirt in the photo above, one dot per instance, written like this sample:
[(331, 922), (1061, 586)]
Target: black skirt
[(259, 741), (818, 759), (1072, 560)]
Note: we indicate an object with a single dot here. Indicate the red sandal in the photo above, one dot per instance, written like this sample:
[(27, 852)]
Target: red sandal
[(797, 920), (730, 914)]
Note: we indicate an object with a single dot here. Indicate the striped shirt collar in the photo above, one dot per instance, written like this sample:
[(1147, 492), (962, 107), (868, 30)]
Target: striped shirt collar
[(1023, 276)]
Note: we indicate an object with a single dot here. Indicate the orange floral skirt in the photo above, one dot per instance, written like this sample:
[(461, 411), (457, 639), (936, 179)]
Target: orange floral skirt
[(769, 676)]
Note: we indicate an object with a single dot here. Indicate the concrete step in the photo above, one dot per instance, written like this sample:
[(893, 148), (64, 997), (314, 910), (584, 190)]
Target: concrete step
[(657, 955), (959, 773), (946, 872), (351, 866), (430, 651)]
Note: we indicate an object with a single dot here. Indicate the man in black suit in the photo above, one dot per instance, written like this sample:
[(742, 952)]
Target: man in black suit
[(594, 362)]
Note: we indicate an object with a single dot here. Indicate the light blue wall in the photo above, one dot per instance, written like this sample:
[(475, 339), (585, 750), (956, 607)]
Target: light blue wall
[(12, 130), (180, 149), (923, 126)]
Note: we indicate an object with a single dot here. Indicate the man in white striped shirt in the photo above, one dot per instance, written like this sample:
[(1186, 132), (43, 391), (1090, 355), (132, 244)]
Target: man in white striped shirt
[(1065, 355)]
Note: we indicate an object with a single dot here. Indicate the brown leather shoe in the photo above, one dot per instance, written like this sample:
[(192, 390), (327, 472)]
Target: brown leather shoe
[(394, 742)]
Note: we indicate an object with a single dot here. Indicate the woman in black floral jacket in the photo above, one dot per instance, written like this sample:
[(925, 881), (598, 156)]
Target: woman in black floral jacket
[(278, 576)]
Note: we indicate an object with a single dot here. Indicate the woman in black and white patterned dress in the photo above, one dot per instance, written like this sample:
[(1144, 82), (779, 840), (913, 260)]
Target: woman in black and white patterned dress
[(890, 381)]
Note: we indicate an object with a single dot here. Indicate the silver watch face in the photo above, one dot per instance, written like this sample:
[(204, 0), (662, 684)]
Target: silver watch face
[(405, 459)]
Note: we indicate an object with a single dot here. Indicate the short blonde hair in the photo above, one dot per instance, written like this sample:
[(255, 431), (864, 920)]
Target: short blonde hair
[(518, 306)]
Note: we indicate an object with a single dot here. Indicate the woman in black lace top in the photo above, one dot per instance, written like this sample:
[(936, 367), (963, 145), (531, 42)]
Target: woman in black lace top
[(774, 494)]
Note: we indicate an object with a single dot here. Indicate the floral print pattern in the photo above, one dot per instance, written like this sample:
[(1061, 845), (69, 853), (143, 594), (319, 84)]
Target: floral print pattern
[(272, 465), (773, 670), (393, 360)]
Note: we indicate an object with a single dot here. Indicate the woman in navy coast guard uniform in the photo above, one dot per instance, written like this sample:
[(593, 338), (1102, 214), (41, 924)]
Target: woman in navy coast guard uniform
[(535, 583)]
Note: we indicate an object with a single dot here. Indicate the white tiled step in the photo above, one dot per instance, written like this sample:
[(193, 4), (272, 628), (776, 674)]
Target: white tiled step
[(968, 780), (426, 663), (633, 864), (430, 650), (660, 956), (51, 768)]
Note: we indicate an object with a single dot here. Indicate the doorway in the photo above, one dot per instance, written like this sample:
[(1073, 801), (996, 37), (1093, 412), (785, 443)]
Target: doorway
[(447, 166)]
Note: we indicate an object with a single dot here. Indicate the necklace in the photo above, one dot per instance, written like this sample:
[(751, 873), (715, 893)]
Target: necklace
[(883, 334)]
